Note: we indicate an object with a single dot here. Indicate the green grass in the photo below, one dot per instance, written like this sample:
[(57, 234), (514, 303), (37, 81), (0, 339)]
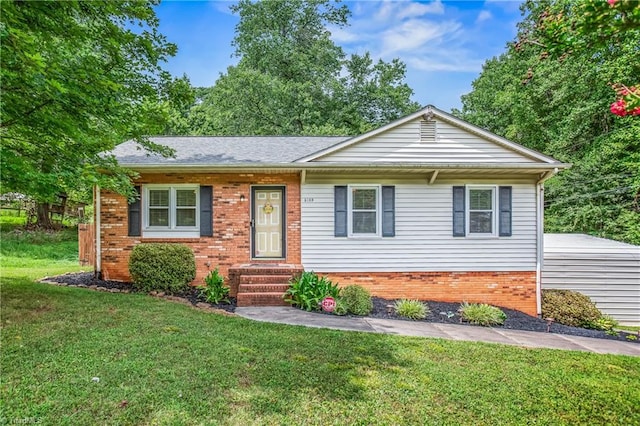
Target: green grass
[(164, 363), (35, 254)]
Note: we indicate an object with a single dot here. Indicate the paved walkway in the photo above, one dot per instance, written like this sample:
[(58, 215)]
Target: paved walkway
[(531, 339)]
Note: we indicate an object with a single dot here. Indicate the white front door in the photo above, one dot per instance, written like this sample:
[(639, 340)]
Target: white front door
[(268, 222)]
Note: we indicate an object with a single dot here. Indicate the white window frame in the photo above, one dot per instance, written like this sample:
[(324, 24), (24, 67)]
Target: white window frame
[(350, 232), (171, 231), (494, 211)]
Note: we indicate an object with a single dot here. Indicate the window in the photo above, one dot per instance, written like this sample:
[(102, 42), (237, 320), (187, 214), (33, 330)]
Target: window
[(171, 208), (481, 215), (482, 210), (364, 210)]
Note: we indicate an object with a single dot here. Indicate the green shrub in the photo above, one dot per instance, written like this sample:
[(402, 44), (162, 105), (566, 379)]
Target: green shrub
[(605, 322), (481, 314), (162, 267), (357, 300), (569, 308), (341, 307), (214, 290), (412, 309), (307, 290)]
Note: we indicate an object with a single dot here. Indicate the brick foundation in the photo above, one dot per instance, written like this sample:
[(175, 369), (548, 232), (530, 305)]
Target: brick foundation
[(513, 290), (230, 243)]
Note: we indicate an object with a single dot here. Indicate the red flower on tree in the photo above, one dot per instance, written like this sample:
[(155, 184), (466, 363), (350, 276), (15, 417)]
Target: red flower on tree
[(628, 102)]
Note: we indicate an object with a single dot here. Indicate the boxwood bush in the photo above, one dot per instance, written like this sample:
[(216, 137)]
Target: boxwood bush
[(570, 308), (162, 267), (357, 300)]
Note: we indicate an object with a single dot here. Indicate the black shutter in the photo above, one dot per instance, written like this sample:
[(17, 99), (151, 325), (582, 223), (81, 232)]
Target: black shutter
[(135, 224), (504, 202), (388, 211), (458, 211), (206, 211), (340, 211)]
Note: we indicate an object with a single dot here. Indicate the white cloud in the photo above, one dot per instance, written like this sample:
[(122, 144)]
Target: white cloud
[(412, 10), (410, 30), (397, 10), (484, 15), (415, 34), (343, 36), (446, 61)]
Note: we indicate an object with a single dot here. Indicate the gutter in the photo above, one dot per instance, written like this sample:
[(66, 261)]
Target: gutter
[(540, 235), (168, 167)]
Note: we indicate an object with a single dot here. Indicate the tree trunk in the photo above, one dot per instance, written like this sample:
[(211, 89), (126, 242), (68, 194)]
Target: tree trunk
[(44, 217)]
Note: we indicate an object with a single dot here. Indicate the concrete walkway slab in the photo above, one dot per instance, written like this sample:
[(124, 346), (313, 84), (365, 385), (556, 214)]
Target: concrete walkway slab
[(530, 339)]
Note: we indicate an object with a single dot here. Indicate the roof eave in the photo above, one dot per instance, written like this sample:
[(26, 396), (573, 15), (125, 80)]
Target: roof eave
[(199, 168)]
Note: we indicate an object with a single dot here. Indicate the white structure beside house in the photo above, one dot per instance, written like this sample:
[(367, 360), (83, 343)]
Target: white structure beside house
[(607, 271)]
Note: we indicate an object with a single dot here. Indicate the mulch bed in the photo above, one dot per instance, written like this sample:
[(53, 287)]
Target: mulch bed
[(516, 320), (88, 280)]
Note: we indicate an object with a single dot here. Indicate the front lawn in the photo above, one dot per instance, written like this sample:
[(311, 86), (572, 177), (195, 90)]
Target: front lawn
[(74, 356)]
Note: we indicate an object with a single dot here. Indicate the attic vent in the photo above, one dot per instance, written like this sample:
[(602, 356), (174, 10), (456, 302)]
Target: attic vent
[(427, 131)]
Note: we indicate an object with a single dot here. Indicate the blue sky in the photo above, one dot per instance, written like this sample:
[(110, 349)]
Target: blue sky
[(443, 43)]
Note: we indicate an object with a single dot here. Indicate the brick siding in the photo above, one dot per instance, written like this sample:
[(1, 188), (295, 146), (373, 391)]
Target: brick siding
[(514, 290), (230, 243)]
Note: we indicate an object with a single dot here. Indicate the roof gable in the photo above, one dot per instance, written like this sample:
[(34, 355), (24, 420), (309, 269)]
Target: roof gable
[(412, 139)]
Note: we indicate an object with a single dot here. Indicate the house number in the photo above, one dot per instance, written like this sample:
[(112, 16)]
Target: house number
[(308, 200)]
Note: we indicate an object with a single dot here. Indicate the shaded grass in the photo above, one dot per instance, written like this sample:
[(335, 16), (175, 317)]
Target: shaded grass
[(35, 254), (165, 363)]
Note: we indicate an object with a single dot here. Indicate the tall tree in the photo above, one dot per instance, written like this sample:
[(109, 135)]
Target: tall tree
[(560, 105), (293, 79), (77, 79)]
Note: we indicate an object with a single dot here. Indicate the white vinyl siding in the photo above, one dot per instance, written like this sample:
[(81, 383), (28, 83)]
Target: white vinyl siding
[(606, 271), (423, 232), (404, 144)]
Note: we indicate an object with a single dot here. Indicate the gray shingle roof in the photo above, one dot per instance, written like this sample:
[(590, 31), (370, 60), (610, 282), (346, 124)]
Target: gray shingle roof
[(211, 150)]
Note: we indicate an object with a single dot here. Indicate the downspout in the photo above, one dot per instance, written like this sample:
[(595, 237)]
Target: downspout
[(98, 265), (540, 235)]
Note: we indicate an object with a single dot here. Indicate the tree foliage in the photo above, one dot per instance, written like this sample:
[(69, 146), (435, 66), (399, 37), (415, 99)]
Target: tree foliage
[(564, 27), (77, 79), (293, 79), (560, 106)]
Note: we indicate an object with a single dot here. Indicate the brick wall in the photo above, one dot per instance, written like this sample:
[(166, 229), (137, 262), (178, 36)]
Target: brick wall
[(230, 243), (514, 290)]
